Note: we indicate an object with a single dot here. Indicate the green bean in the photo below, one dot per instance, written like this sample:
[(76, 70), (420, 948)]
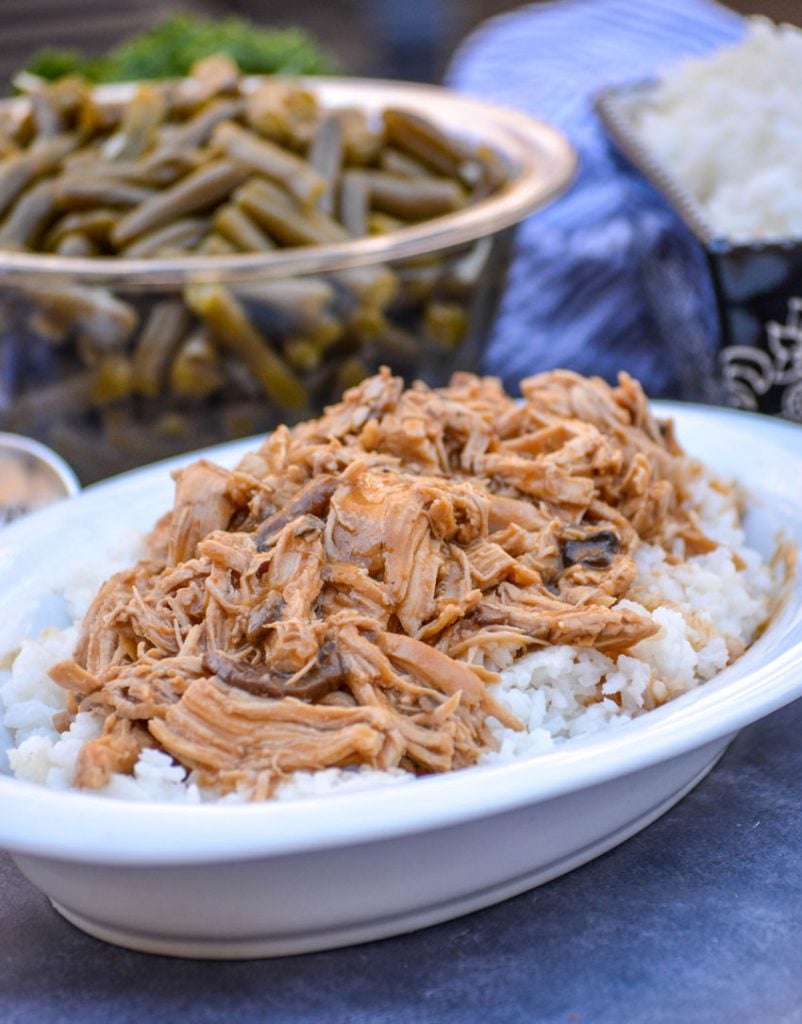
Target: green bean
[(287, 224), (76, 244), (303, 354), (113, 379), (157, 344), (350, 372), (422, 140), (106, 321), (374, 286), (94, 224), (198, 130), (210, 77), (299, 301), (266, 111), (49, 120), (494, 170), (54, 106), (182, 235), (327, 226), (275, 110), (87, 163), (354, 202), (167, 163), (395, 345), (25, 222), (197, 191), (12, 128), (235, 225), (226, 319), (173, 425), (383, 223), (417, 281), (326, 156), (361, 143), (159, 168), (48, 153), (365, 322), (16, 173), (239, 378), (19, 170), (214, 244), (396, 162), (49, 329), (413, 198), (298, 294), (141, 119), (72, 192), (195, 371), (446, 323), (301, 307), (461, 275), (266, 158), (302, 112)]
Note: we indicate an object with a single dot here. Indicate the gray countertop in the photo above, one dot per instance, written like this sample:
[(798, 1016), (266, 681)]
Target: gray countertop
[(697, 919)]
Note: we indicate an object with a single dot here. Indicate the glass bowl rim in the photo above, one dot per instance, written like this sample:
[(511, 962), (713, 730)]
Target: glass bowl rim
[(546, 163)]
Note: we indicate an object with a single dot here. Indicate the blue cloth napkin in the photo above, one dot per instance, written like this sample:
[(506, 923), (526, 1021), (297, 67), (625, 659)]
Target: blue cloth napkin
[(606, 278)]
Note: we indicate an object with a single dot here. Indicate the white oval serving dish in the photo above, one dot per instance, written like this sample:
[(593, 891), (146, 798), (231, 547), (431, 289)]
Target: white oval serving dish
[(231, 881)]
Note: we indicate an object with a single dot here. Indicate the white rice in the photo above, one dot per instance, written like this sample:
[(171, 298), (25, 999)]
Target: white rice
[(728, 127), (709, 609)]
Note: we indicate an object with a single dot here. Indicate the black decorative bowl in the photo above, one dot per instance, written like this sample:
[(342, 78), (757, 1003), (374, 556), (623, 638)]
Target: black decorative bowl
[(758, 285)]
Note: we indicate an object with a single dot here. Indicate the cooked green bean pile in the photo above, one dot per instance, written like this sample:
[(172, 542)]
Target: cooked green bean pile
[(205, 166)]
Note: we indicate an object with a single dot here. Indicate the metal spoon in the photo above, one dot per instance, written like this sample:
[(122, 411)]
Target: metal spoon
[(31, 476)]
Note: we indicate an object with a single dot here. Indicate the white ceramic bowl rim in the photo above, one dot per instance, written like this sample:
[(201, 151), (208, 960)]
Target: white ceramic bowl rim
[(81, 827), (543, 165)]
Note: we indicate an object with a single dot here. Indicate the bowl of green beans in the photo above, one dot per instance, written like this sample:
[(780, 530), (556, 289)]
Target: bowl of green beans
[(189, 261)]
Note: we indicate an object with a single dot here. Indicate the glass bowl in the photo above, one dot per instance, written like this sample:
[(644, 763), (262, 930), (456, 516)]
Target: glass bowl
[(102, 359)]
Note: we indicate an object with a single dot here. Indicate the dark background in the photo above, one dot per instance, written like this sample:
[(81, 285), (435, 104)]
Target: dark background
[(386, 38)]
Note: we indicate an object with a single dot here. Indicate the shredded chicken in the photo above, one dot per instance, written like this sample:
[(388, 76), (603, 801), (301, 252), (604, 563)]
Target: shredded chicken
[(346, 595)]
